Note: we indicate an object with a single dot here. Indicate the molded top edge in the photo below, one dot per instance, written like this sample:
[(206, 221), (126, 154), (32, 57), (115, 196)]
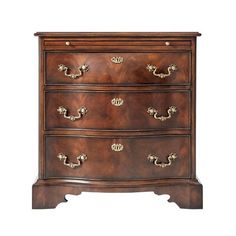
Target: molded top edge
[(117, 34)]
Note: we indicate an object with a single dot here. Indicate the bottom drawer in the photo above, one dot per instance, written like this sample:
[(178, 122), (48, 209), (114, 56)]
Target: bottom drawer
[(119, 158)]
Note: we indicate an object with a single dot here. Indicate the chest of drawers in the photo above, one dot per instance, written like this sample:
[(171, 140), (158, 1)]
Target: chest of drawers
[(117, 114)]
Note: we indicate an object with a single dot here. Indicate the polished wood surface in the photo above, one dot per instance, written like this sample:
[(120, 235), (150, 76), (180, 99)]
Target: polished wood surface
[(131, 115), (132, 71), (76, 42), (104, 124), (130, 163), (187, 193), (109, 35)]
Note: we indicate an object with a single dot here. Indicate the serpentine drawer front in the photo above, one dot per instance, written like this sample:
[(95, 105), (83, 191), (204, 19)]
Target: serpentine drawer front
[(155, 110), (117, 114), (118, 68), (122, 158)]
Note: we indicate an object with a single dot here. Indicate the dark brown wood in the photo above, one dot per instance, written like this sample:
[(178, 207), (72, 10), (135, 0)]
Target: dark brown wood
[(134, 35), (126, 48), (193, 109), (44, 196), (117, 133), (130, 163), (76, 43), (118, 87), (132, 71), (105, 124), (41, 171), (131, 115), (186, 193)]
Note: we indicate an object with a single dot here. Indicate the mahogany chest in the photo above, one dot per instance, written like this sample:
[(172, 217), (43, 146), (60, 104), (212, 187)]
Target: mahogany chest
[(117, 113)]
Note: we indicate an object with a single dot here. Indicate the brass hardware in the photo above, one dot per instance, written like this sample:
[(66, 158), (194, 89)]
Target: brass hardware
[(167, 43), (117, 60), (117, 102), (117, 147), (81, 112), (82, 69), (67, 43), (171, 68), (154, 160), (153, 112), (80, 159)]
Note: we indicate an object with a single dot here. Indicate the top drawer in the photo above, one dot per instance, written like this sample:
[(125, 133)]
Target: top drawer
[(118, 68), (108, 43)]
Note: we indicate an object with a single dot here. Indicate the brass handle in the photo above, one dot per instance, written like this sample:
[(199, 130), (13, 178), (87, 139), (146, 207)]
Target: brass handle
[(117, 102), (171, 68), (154, 160), (153, 112), (80, 159), (117, 147), (82, 69), (63, 111), (117, 60)]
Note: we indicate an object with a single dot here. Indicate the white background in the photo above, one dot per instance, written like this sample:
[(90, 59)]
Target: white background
[(127, 213)]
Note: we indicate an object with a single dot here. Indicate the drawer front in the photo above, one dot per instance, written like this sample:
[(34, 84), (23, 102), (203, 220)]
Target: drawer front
[(123, 158), (116, 43), (118, 68), (117, 110)]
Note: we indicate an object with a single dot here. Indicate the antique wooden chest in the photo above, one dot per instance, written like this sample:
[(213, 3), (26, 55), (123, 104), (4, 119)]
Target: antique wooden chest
[(117, 113)]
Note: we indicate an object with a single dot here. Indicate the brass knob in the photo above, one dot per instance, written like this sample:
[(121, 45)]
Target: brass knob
[(167, 43), (67, 43)]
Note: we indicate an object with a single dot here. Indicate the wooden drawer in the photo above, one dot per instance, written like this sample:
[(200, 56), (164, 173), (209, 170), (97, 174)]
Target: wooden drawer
[(117, 110), (111, 44), (133, 69), (133, 162), (73, 44)]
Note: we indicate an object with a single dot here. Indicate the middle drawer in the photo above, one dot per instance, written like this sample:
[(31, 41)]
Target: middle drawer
[(117, 110)]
